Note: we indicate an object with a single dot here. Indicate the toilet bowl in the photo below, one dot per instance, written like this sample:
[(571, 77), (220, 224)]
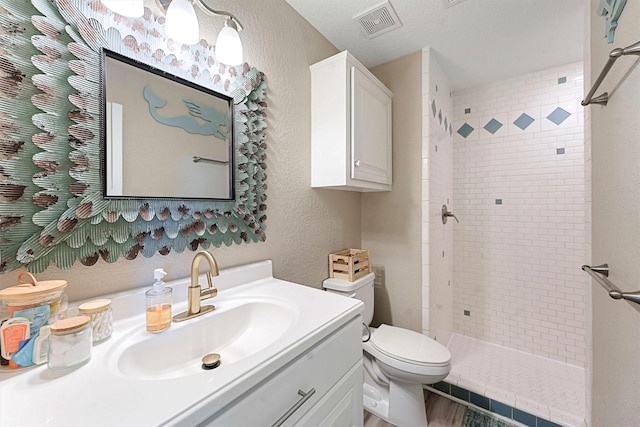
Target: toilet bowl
[(397, 362)]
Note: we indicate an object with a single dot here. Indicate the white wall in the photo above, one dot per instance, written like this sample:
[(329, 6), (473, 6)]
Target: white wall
[(437, 190), (520, 197), (304, 225), (615, 160)]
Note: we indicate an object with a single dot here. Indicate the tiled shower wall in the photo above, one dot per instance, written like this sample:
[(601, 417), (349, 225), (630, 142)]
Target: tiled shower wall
[(519, 186), (437, 190)]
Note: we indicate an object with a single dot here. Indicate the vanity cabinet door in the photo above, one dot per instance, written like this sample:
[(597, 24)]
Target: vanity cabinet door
[(320, 369), (341, 407)]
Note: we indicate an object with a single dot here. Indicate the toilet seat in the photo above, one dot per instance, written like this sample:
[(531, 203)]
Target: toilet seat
[(410, 347)]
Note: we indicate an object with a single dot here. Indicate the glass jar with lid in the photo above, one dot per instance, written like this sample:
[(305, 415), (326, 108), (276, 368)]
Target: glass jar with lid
[(40, 302), (101, 318), (70, 342)]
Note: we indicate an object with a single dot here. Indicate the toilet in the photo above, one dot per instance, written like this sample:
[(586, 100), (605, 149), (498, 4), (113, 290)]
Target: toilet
[(397, 361)]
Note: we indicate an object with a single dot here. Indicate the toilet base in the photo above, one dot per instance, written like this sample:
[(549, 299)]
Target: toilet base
[(400, 404)]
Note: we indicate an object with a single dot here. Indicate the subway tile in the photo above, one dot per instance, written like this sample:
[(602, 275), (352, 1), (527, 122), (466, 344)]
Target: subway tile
[(501, 409), (480, 401), (460, 393), (517, 165), (442, 386), (524, 418), (546, 423)]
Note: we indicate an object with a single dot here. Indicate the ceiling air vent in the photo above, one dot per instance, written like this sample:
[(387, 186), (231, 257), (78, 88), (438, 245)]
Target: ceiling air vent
[(379, 20)]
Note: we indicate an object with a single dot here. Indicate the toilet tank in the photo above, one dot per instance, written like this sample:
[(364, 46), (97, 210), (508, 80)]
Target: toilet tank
[(361, 289)]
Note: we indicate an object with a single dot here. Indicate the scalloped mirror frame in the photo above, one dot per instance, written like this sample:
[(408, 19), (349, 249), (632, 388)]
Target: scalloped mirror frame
[(51, 204)]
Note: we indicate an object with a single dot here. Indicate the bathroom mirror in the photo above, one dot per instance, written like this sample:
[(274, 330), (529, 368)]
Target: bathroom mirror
[(164, 136), (52, 204)]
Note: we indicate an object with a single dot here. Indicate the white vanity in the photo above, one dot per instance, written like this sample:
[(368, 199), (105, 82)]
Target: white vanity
[(290, 354)]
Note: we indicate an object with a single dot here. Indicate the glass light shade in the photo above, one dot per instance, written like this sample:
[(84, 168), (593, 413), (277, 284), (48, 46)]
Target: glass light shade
[(229, 47), (130, 8), (182, 23)]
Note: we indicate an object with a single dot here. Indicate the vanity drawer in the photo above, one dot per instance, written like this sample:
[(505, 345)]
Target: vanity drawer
[(320, 369)]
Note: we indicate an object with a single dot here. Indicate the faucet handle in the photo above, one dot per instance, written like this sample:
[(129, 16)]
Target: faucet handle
[(208, 293), (211, 291)]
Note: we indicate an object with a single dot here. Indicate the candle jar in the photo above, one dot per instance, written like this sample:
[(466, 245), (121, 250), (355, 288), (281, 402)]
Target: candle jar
[(41, 303), (101, 318), (70, 342)]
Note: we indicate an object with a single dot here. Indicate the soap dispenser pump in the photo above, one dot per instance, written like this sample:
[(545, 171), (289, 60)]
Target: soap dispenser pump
[(158, 304)]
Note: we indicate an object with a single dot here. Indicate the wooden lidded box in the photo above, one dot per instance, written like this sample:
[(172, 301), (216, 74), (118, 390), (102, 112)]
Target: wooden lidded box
[(349, 264)]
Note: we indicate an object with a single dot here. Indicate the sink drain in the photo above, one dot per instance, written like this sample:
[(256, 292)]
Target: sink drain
[(210, 361)]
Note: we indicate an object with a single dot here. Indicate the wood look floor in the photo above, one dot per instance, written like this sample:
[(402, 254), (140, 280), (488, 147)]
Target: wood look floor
[(441, 412)]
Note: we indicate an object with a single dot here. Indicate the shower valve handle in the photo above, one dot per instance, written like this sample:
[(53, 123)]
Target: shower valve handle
[(446, 214)]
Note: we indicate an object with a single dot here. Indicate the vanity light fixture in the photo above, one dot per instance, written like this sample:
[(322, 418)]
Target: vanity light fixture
[(182, 24)]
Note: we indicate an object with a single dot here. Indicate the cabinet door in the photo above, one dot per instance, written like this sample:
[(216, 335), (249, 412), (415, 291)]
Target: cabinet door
[(370, 130), (342, 406)]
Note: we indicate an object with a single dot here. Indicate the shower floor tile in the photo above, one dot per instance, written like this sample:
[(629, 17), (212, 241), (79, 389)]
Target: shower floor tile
[(542, 387)]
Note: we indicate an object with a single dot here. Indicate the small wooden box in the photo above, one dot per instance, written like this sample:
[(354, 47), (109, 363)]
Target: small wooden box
[(349, 264)]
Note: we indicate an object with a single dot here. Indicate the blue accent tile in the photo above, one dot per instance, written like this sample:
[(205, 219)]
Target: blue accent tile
[(559, 150), (450, 130), (446, 123), (501, 409), (467, 110), (442, 386), (440, 116), (562, 80), (467, 313), (433, 107), (460, 393), (558, 115), (524, 121), (492, 126), (498, 201), (481, 401), (546, 423), (436, 88), (465, 130), (524, 418)]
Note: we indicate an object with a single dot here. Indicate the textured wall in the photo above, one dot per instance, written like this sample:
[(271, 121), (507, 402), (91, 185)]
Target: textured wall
[(391, 220), (615, 156), (519, 181), (304, 225)]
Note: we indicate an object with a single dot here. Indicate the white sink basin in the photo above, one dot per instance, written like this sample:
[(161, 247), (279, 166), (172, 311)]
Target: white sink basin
[(236, 329)]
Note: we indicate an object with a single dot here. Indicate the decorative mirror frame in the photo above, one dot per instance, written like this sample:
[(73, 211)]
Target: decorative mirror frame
[(51, 204)]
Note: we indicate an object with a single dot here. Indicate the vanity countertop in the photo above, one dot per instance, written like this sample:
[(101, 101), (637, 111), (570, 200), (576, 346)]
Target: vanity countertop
[(101, 393)]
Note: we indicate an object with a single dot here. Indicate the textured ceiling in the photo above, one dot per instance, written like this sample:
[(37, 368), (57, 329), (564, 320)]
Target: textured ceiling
[(476, 41)]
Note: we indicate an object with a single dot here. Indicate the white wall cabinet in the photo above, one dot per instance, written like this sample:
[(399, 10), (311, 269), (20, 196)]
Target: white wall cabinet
[(332, 369), (351, 142)]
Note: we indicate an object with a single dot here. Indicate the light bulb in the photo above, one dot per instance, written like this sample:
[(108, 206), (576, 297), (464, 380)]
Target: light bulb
[(129, 8), (229, 46), (182, 23)]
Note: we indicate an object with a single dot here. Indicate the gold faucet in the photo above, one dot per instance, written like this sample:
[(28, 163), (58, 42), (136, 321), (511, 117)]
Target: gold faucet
[(196, 293)]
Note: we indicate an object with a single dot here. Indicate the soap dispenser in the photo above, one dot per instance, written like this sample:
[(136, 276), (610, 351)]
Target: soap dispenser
[(158, 304)]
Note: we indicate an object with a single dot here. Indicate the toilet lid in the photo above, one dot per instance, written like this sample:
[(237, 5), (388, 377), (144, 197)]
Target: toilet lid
[(410, 346)]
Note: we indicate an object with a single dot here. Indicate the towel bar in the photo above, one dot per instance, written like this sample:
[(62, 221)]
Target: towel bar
[(602, 99), (600, 274)]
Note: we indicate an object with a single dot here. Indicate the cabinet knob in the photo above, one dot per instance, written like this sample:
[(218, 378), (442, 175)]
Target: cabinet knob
[(357, 163)]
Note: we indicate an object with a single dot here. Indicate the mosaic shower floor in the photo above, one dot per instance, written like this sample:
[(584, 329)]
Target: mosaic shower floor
[(546, 388)]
